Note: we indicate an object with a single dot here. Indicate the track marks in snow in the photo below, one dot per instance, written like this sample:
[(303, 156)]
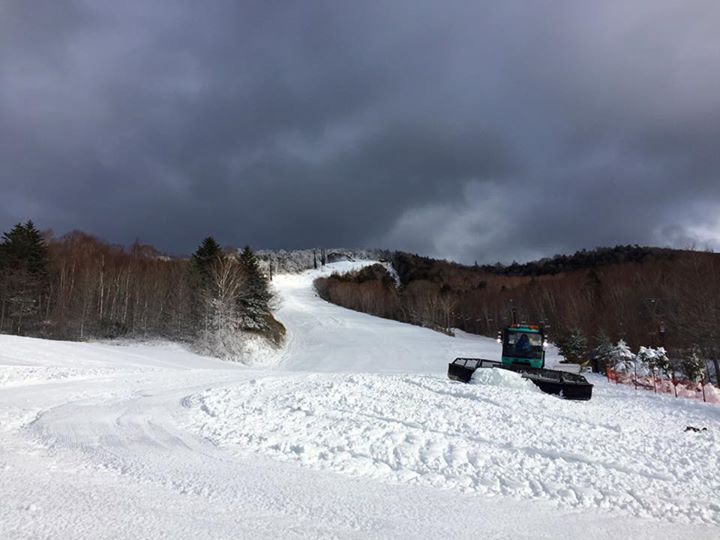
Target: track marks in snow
[(630, 456)]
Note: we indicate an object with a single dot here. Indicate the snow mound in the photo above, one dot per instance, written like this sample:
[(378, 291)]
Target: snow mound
[(259, 352), (503, 378), (247, 348)]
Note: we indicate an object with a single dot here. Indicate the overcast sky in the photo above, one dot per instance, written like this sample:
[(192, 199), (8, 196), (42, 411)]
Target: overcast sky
[(470, 130)]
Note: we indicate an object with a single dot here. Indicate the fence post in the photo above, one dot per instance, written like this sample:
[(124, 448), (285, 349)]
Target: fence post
[(635, 383)]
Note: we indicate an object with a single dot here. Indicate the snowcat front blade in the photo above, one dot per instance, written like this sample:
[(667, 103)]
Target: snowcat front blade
[(566, 385)]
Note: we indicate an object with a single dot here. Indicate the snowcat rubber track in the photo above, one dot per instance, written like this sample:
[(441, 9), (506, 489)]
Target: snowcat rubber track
[(550, 381)]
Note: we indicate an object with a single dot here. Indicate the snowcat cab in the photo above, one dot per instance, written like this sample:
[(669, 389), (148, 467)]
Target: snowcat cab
[(523, 344)]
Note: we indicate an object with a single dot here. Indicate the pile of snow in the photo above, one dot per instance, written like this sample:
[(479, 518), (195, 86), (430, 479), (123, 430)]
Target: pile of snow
[(503, 378), (234, 345), (259, 351)]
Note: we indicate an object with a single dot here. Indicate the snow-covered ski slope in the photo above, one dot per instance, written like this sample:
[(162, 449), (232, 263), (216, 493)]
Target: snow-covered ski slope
[(325, 338), (355, 432)]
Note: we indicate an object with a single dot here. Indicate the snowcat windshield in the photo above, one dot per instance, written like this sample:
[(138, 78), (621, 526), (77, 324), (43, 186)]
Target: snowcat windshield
[(523, 345)]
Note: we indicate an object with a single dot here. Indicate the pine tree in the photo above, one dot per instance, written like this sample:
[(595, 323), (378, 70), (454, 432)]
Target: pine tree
[(23, 247), (661, 362), (622, 357), (655, 360), (254, 301), (207, 256), (24, 271), (602, 351), (694, 367), (645, 361), (645, 356), (573, 346)]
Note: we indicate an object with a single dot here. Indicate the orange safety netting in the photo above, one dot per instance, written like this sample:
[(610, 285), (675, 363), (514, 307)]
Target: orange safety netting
[(703, 391)]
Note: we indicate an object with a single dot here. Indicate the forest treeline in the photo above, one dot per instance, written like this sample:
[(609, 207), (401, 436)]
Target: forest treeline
[(644, 296), (297, 260), (581, 260), (78, 287)]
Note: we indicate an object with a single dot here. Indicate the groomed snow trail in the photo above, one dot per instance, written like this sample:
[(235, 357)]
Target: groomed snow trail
[(355, 433), (476, 439)]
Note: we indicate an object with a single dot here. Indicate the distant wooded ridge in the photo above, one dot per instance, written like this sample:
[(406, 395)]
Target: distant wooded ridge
[(582, 259), (77, 286)]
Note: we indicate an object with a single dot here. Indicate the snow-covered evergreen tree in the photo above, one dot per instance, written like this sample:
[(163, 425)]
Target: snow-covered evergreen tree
[(254, 300), (622, 357), (573, 346), (694, 367), (645, 360), (650, 360), (661, 362), (234, 301)]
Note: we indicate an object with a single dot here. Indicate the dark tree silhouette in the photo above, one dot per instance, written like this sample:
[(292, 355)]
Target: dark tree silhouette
[(23, 276)]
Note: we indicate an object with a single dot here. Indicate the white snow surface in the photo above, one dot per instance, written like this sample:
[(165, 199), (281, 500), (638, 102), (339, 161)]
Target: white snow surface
[(353, 432)]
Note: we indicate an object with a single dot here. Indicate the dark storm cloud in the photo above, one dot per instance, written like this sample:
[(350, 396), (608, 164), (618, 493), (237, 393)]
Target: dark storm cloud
[(471, 130)]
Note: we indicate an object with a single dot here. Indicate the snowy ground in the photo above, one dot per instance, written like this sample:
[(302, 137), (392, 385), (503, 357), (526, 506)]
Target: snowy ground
[(355, 432)]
